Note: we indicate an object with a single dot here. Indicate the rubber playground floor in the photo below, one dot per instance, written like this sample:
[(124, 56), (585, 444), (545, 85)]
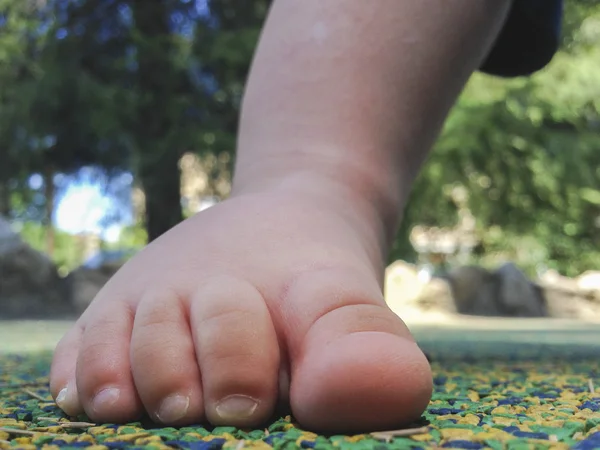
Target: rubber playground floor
[(499, 384)]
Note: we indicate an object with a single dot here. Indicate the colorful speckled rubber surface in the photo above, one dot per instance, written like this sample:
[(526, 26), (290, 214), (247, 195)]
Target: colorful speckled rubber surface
[(523, 397)]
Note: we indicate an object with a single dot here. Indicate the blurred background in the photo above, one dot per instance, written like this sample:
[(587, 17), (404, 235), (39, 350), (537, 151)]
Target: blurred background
[(118, 119)]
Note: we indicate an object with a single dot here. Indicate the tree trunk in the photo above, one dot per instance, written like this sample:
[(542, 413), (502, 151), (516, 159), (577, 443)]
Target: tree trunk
[(49, 194), (158, 162), (5, 202)]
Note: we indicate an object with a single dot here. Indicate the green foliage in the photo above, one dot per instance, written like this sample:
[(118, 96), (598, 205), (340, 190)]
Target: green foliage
[(68, 253), (70, 250), (132, 237), (132, 84), (528, 151), (224, 53)]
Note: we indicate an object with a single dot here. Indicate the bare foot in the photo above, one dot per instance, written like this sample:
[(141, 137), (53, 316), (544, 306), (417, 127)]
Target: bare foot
[(277, 292), (208, 321)]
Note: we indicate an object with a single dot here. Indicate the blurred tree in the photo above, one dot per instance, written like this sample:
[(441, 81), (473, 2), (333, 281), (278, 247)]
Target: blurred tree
[(57, 116), (82, 100), (19, 42), (158, 81), (132, 85), (68, 253), (192, 67), (224, 46), (114, 77), (528, 150)]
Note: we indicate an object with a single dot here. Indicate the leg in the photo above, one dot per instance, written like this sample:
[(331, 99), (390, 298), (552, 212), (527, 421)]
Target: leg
[(283, 281)]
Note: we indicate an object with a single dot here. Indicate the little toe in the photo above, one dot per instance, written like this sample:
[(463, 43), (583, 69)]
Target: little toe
[(237, 349), (163, 360), (104, 381), (63, 384)]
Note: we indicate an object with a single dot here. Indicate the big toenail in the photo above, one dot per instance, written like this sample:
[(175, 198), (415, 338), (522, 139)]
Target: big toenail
[(173, 408), (236, 407), (106, 398)]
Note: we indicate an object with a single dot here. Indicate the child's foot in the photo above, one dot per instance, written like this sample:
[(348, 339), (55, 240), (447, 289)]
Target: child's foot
[(208, 320)]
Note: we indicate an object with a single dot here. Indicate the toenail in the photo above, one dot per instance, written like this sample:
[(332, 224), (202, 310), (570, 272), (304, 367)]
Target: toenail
[(62, 396), (236, 407), (67, 399), (106, 398), (173, 408)]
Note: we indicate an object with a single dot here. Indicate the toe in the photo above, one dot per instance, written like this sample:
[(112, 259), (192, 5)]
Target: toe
[(355, 366), (104, 380), (237, 349), (366, 381), (62, 372), (163, 360)]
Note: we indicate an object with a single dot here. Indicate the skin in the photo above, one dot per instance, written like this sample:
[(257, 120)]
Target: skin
[(276, 293)]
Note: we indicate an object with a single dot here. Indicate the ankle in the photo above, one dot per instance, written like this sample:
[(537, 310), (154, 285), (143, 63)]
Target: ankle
[(370, 196)]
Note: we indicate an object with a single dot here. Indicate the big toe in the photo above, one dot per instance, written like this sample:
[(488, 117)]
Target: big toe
[(357, 367), (362, 381)]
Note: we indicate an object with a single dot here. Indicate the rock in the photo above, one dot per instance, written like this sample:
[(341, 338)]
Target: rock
[(589, 284), (402, 283), (506, 292), (30, 286), (408, 288), (517, 296), (566, 304), (570, 298), (85, 283), (437, 296), (474, 291)]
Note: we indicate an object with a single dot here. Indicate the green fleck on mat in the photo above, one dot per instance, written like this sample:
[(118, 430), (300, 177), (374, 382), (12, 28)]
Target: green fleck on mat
[(486, 397)]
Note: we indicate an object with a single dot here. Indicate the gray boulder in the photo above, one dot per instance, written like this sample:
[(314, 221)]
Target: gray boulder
[(505, 292), (30, 287), (517, 295), (474, 291), (571, 298)]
